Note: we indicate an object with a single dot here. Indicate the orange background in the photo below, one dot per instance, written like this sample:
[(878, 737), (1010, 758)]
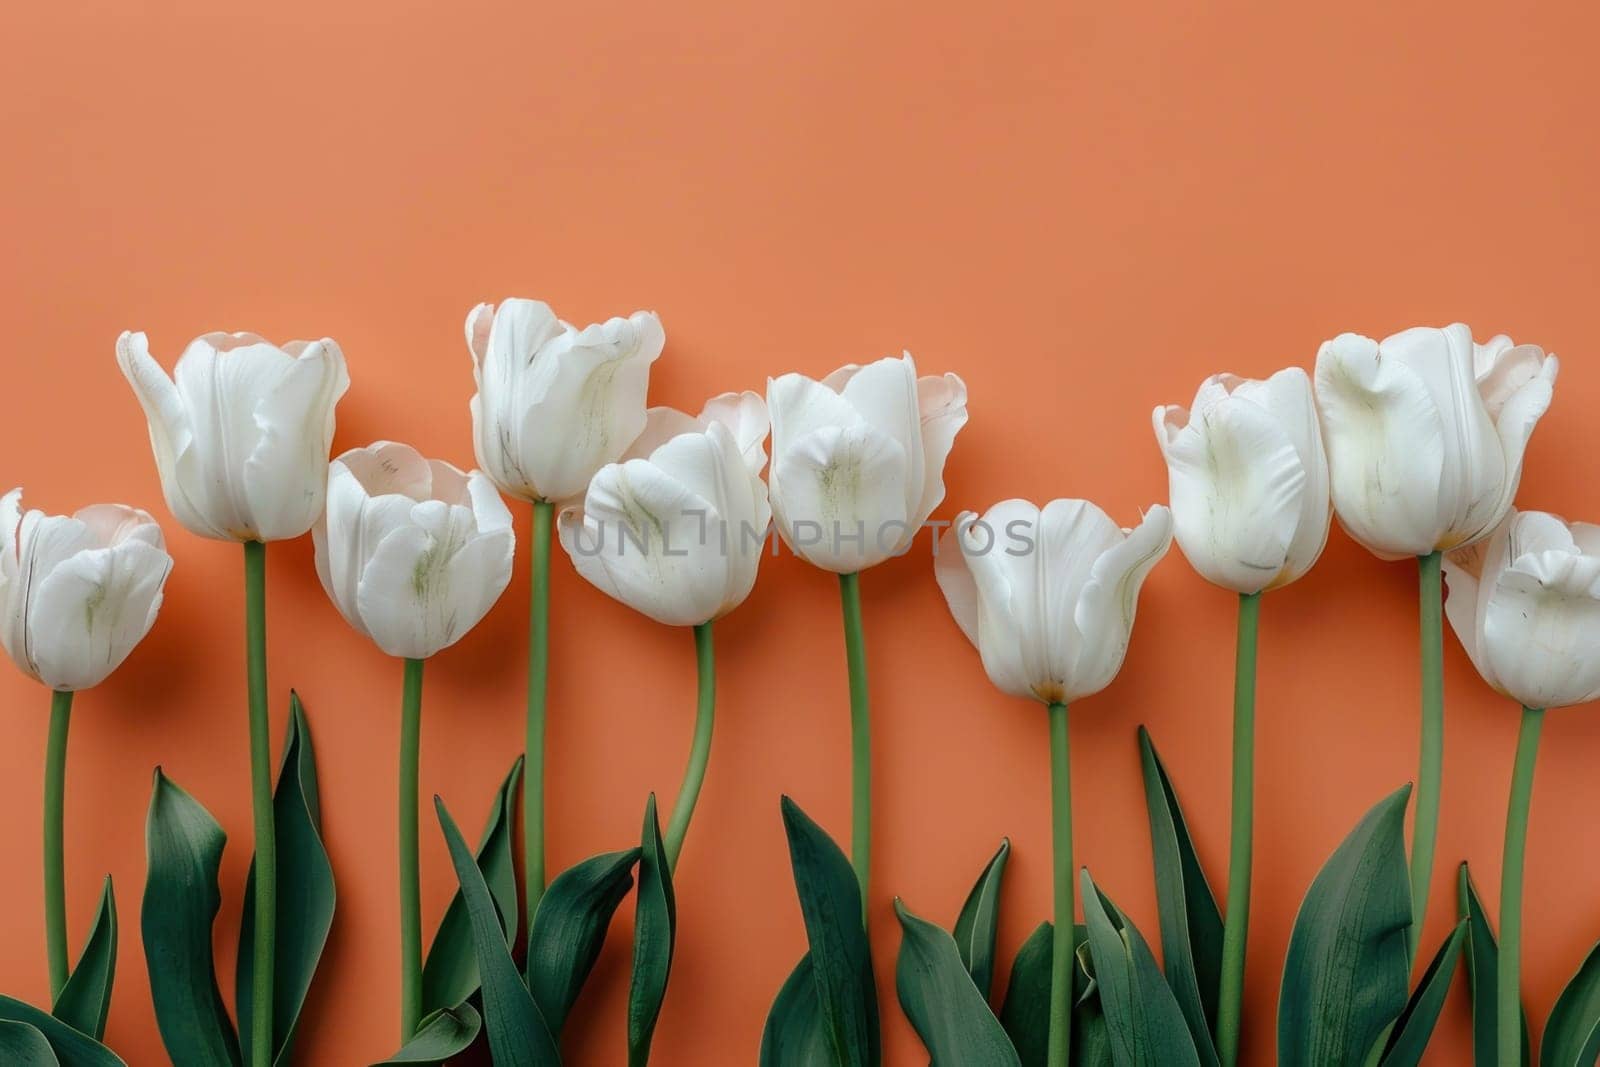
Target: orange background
[(1082, 210)]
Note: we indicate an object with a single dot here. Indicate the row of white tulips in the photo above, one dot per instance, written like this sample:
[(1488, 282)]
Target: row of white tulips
[(1415, 442)]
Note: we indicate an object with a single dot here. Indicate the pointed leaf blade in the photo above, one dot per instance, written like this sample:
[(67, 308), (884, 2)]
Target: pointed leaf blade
[(1483, 957), (796, 1034), (1414, 1028), (1572, 1034), (70, 1047), (570, 929), (979, 921), (655, 925), (946, 1008), (86, 998), (440, 1035)]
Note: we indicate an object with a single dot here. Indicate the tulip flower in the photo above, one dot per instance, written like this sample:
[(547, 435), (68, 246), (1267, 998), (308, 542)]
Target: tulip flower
[(554, 405), (857, 467), (1047, 596), (1425, 433), (1250, 509), (76, 594), (413, 553), (241, 433), (675, 531), (1526, 606)]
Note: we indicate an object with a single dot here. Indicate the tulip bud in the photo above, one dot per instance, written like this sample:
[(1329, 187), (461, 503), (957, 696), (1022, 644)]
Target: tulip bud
[(1526, 606), (77, 592), (241, 431), (858, 459), (1425, 433), (1047, 596), (411, 551), (676, 529), (1248, 479), (555, 403)]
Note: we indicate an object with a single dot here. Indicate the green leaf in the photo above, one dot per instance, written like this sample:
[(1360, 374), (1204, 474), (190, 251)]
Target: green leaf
[(183, 846), (570, 929), (1414, 1028), (1482, 960), (24, 1044), (71, 1048), (1191, 924), (655, 926), (440, 1035), (1091, 1036), (518, 1036), (305, 893), (980, 920), (796, 1034), (86, 998), (1347, 973), (841, 958), (1026, 1013), (450, 974), (1572, 1034), (945, 1007), (1145, 1023)]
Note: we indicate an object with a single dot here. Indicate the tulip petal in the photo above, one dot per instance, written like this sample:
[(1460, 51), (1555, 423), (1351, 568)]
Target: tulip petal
[(942, 402), (1008, 634), (405, 596), (884, 394), (1385, 442), (1237, 487), (799, 406), (92, 609), (1519, 414), (1542, 633), (955, 577), (1466, 595), (505, 345), (1105, 611), (171, 433), (661, 424), (839, 497), (746, 415), (283, 476)]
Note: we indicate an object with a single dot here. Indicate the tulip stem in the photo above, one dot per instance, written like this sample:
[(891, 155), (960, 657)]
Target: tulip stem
[(1240, 844), (1508, 1006), (410, 881), (1062, 950), (1425, 829), (699, 751), (266, 884), (860, 736), (538, 673), (55, 880)]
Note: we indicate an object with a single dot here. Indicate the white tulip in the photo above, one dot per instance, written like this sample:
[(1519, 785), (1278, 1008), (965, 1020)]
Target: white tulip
[(858, 459), (241, 431), (555, 403), (676, 529), (1425, 433), (1526, 606), (77, 592), (1048, 595), (1248, 479), (412, 551)]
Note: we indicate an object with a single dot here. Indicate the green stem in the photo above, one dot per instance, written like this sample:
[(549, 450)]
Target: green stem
[(1426, 827), (55, 879), (699, 751), (1508, 1005), (538, 673), (266, 918), (1061, 955), (860, 736), (1240, 841), (410, 881)]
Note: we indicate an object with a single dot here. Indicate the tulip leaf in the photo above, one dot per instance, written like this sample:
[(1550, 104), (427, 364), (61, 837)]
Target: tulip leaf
[(518, 1036), (570, 929), (23, 1043), (440, 1035), (86, 998), (1572, 1034), (1143, 1019), (655, 926), (1347, 973), (1026, 1012), (946, 1008), (1482, 961), (183, 847), (979, 921), (450, 974), (1412, 1031), (70, 1047), (1191, 924), (796, 1034), (841, 958), (306, 895)]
